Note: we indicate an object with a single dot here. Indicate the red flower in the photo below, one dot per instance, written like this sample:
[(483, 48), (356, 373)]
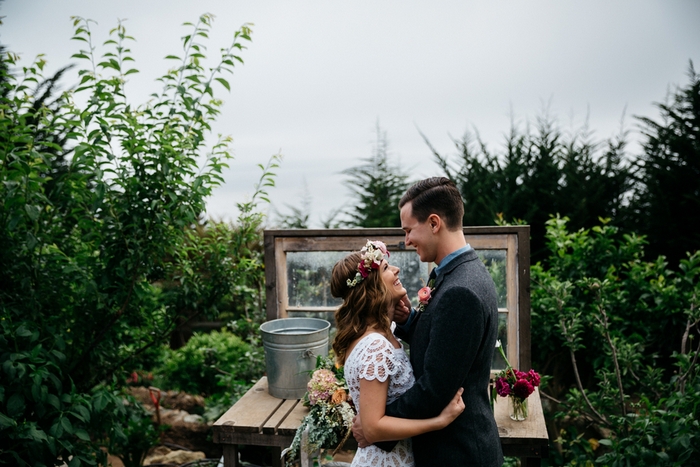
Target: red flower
[(363, 270), (522, 388), (502, 387), (533, 377)]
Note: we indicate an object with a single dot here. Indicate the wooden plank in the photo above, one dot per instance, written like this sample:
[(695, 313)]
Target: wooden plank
[(348, 243), (524, 297), (270, 427), (254, 439), (533, 430), (250, 413), (292, 421), (270, 276), (487, 242)]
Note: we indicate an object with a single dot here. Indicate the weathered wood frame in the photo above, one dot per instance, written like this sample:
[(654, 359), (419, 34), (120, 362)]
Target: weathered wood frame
[(514, 239)]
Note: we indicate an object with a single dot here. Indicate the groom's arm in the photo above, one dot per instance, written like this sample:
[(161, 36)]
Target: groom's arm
[(455, 336)]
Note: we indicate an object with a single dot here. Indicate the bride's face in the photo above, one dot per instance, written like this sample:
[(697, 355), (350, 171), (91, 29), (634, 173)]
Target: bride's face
[(390, 276)]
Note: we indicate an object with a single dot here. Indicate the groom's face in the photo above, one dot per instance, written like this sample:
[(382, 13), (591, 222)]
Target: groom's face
[(418, 234)]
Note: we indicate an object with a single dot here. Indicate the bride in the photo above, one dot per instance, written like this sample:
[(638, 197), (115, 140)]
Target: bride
[(377, 370)]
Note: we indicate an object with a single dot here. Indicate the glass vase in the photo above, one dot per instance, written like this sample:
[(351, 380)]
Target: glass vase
[(518, 408)]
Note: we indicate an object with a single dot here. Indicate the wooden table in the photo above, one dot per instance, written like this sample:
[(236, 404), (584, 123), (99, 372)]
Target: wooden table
[(262, 420)]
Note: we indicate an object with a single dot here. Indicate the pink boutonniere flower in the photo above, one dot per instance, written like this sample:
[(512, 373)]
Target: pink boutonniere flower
[(424, 296)]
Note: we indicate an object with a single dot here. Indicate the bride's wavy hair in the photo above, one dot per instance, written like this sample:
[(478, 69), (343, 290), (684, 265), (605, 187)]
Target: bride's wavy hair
[(365, 304)]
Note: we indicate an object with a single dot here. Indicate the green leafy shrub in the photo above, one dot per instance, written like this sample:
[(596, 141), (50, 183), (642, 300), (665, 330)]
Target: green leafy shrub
[(620, 337), (91, 231), (134, 433), (198, 366)]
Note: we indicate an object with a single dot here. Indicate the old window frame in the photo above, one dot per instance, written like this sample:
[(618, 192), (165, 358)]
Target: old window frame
[(514, 239)]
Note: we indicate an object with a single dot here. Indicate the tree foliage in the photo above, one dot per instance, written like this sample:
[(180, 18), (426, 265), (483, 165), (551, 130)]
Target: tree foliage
[(620, 338), (666, 201), (85, 250), (376, 185), (538, 174)]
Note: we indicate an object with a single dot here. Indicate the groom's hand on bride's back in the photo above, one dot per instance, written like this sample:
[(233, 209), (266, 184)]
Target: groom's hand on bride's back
[(402, 310)]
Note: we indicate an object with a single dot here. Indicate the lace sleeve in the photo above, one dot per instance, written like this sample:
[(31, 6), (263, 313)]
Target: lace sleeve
[(378, 360)]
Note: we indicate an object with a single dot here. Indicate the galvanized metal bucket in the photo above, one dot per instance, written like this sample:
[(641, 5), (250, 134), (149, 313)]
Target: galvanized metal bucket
[(291, 346)]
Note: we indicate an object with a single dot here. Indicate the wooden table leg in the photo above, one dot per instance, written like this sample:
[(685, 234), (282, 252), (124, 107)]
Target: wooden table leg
[(276, 454), (230, 455)]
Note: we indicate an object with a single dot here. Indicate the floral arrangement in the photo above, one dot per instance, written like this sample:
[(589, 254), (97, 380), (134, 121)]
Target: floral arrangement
[(371, 256), (330, 411), (515, 384)]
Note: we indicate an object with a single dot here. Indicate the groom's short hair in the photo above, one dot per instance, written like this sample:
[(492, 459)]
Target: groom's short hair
[(436, 195)]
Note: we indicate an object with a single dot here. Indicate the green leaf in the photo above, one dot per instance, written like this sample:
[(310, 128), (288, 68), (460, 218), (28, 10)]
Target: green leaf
[(53, 401), (67, 425), (99, 402), (15, 404), (82, 413), (35, 434), (6, 422), (32, 211), (224, 83)]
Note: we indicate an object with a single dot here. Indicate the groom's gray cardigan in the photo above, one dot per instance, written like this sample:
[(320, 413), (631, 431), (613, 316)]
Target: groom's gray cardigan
[(451, 346)]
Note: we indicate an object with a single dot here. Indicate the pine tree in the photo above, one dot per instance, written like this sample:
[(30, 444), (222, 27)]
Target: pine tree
[(377, 186), (666, 202), (539, 174)]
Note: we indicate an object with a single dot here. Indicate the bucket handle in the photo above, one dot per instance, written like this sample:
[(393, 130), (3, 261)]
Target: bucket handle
[(308, 353)]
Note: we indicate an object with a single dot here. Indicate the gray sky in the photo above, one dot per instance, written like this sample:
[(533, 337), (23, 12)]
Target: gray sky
[(319, 74)]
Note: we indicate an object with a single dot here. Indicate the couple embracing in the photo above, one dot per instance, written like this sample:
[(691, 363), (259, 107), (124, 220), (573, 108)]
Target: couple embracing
[(433, 410)]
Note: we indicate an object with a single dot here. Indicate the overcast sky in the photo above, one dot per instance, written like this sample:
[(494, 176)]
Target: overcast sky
[(318, 75)]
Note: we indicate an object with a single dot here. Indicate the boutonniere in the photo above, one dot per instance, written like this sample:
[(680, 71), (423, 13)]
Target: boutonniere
[(424, 296)]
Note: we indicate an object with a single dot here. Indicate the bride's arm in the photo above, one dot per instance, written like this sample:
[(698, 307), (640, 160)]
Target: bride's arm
[(377, 426)]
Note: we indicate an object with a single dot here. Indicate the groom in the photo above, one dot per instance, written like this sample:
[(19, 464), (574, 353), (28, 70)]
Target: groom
[(452, 340)]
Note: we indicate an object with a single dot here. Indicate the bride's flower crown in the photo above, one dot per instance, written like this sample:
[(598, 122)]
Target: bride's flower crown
[(371, 256)]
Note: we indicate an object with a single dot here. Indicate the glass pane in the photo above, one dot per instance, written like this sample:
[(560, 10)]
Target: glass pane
[(413, 273), (495, 262), (498, 362), (308, 276)]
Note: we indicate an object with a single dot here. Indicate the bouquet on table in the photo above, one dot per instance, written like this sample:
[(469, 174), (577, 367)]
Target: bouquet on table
[(331, 411), (516, 385)]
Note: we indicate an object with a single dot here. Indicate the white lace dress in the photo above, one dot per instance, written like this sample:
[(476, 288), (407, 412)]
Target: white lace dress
[(374, 357)]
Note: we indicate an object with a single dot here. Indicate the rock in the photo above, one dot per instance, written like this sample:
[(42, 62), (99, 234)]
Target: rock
[(175, 400), (177, 457), (192, 418)]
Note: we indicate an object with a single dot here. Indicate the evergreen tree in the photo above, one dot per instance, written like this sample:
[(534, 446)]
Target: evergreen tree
[(377, 185), (666, 202), (538, 175)]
